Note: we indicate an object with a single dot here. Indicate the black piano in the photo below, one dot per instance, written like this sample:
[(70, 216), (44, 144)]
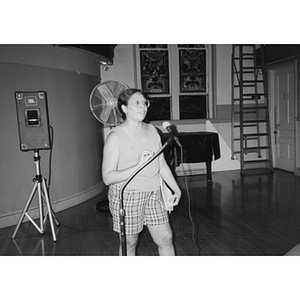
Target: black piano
[(201, 146)]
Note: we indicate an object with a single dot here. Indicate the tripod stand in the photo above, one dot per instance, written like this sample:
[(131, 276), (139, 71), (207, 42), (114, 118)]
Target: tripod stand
[(41, 187)]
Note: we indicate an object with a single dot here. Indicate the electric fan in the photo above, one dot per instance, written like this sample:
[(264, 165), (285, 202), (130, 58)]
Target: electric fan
[(104, 100)]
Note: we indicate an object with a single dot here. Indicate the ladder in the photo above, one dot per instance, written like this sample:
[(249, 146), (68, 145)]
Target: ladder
[(250, 124)]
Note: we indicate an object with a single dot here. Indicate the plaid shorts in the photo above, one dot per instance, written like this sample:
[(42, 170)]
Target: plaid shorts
[(141, 208)]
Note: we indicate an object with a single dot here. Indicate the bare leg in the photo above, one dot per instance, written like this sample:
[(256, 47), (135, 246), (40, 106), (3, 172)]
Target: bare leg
[(162, 237), (131, 242)]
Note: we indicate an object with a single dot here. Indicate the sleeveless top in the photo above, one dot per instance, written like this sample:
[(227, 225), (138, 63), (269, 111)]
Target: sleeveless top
[(130, 150)]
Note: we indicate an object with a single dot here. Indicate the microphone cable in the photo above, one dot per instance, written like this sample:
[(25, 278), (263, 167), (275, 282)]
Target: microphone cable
[(50, 158), (195, 230), (166, 125)]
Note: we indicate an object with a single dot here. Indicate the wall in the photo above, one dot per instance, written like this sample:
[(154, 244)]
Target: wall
[(123, 70), (123, 66), (297, 172), (68, 76), (297, 120)]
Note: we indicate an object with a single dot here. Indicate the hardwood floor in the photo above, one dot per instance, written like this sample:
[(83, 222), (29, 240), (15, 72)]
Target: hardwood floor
[(253, 215)]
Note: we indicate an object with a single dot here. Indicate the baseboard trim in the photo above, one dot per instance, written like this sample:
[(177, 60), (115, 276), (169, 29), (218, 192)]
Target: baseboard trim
[(59, 205), (190, 169)]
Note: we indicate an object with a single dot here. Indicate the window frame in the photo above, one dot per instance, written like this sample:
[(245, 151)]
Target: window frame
[(174, 92)]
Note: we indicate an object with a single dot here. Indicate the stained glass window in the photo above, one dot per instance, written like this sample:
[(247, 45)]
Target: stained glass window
[(155, 71), (153, 46), (192, 70), (191, 46), (175, 80)]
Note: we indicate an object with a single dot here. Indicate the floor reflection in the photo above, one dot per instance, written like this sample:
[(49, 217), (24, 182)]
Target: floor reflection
[(256, 215), (39, 248)]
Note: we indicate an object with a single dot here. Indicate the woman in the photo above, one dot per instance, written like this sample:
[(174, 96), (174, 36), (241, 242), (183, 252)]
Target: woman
[(123, 154)]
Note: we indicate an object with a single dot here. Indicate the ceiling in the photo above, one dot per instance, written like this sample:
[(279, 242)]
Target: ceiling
[(106, 50)]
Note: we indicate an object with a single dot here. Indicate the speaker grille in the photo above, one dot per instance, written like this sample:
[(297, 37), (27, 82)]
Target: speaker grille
[(33, 121)]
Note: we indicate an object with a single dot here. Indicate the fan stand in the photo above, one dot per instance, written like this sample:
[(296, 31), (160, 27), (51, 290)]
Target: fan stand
[(41, 187), (122, 211)]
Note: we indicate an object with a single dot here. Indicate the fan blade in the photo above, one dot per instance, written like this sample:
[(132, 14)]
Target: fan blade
[(95, 104), (105, 113), (116, 116), (107, 94), (117, 89)]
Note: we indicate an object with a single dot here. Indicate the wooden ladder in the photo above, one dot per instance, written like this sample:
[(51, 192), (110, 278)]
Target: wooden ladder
[(250, 126)]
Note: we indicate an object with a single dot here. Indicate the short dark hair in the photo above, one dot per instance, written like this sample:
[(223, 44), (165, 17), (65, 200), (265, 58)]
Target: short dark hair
[(124, 98)]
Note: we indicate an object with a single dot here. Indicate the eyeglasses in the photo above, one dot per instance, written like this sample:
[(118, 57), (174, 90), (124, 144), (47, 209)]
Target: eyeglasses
[(139, 103)]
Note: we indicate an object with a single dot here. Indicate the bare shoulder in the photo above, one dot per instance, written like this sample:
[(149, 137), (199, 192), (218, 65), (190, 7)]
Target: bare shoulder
[(151, 127), (112, 138), (111, 135)]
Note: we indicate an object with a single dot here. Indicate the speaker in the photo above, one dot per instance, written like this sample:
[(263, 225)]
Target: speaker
[(33, 121)]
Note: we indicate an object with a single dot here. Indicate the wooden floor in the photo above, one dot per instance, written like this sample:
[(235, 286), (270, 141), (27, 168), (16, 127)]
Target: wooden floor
[(253, 215)]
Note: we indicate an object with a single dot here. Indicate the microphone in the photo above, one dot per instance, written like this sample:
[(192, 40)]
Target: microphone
[(166, 125)]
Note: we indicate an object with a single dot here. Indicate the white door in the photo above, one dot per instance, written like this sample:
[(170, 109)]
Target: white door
[(284, 118)]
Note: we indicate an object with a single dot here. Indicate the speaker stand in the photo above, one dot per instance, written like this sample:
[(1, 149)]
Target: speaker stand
[(41, 187)]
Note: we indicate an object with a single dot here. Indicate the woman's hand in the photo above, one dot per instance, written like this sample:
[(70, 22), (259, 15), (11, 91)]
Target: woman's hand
[(144, 157), (176, 197)]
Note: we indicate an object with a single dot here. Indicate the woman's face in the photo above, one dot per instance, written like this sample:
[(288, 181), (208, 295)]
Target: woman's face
[(137, 107)]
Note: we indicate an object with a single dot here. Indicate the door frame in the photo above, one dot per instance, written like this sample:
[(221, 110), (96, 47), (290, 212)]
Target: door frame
[(271, 92)]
